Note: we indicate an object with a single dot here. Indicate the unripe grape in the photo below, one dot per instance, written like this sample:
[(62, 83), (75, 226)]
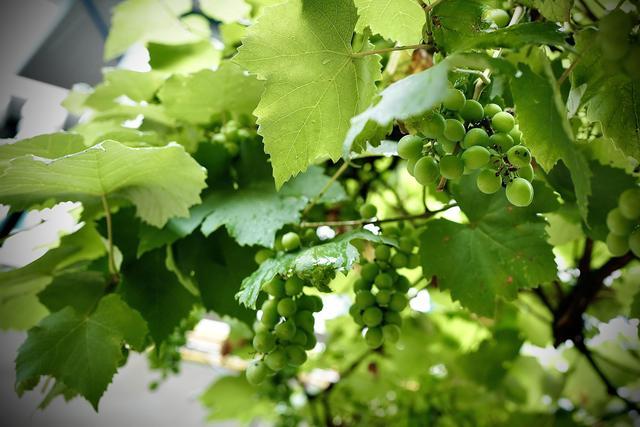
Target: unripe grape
[(365, 299), (293, 285), (399, 260), (257, 372), (516, 134), (411, 164), (311, 342), (488, 182), (617, 223), (476, 157), (618, 245), (502, 122), (491, 110), (433, 125), (285, 330), (414, 261), (519, 156), (290, 241), (384, 281), (275, 287), (451, 167), (372, 316), (304, 320), (629, 203), (392, 318), (262, 255), (361, 285), (300, 337), (264, 342), (310, 302), (475, 136), (406, 244), (498, 16), (454, 100), (270, 312), (410, 147), (391, 333), (382, 252), (373, 337), (383, 297), (356, 315), (634, 243), (368, 211), (398, 302), (526, 172), (502, 140), (369, 271), (446, 146), (296, 355), (454, 130), (276, 360), (287, 307), (520, 192), (403, 284), (472, 111), (426, 170)]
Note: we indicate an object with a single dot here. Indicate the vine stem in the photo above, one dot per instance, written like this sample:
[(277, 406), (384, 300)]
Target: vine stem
[(107, 212), (328, 185), (389, 49), (568, 71), (358, 222)]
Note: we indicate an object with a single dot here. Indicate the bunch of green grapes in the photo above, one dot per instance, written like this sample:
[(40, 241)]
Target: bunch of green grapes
[(463, 136), (618, 44), (624, 224), (381, 294), (231, 134), (286, 329)]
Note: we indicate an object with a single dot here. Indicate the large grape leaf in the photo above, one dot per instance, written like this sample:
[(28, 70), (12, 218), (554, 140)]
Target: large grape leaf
[(225, 10), (48, 146), (82, 351), (546, 129), (80, 290), (501, 250), (198, 98), (142, 21), (314, 83), (516, 36), (111, 169), (337, 254), (398, 20)]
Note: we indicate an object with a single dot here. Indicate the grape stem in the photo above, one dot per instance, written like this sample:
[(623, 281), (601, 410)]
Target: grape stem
[(326, 188), (568, 71), (485, 79), (389, 49)]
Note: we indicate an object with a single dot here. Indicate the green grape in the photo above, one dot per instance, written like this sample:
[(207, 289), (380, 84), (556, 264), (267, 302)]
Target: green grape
[(501, 140), (307, 302), (296, 355), (290, 241), (369, 271), (617, 223), (232, 148), (502, 122), (368, 211), (433, 125), (391, 333), (475, 157), (487, 181), (398, 302), (634, 243), (526, 172), (629, 203), (275, 287), (399, 260), (270, 312), (300, 337), (276, 360), (451, 167), (409, 147), (262, 255), (287, 307), (426, 170), (373, 337), (472, 111), (365, 299), (356, 314), (264, 342), (491, 110), (411, 165), (406, 244), (311, 341), (475, 136), (257, 372), (361, 285), (383, 297), (286, 330), (414, 261), (520, 192), (372, 316), (384, 281), (516, 134), (618, 245), (446, 146), (392, 318), (293, 285), (454, 130), (454, 100), (260, 327), (382, 252), (519, 156), (403, 284), (304, 320), (498, 16)]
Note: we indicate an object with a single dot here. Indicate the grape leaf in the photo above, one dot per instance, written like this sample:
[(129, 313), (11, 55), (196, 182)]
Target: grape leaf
[(492, 355), (186, 58), (80, 290), (135, 86), (48, 146), (456, 22), (225, 10), (199, 97), (557, 10), (398, 20), (232, 397), (505, 247), (547, 132), (142, 21), (337, 254), (516, 36), (82, 351), (138, 175), (314, 83), (156, 293)]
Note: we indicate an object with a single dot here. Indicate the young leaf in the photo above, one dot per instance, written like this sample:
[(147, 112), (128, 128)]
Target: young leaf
[(109, 169), (399, 20), (314, 84), (134, 85), (225, 10), (185, 58)]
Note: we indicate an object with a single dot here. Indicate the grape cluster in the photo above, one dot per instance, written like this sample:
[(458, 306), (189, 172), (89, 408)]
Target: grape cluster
[(624, 224), (381, 293), (286, 329), (620, 48), (231, 134), (463, 136)]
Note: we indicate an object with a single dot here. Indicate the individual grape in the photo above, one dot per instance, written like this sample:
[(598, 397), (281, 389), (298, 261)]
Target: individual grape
[(409, 147), (499, 17), (406, 244), (300, 337), (368, 210), (454, 130), (361, 285), (403, 284), (391, 333), (526, 172), (369, 271), (472, 111), (293, 285), (374, 337), (287, 307), (520, 192), (392, 318), (414, 261), (264, 342), (304, 320), (454, 100), (475, 157), (262, 255), (475, 136), (433, 125), (383, 297), (275, 287), (516, 134), (398, 302), (519, 156), (384, 281), (276, 360), (296, 355), (285, 331), (411, 164), (446, 145), (618, 245), (629, 203), (309, 302), (356, 314), (382, 252), (372, 316), (451, 167), (311, 342), (634, 243), (617, 223), (491, 110), (290, 241), (365, 299), (257, 372), (426, 170), (270, 312), (487, 181), (399, 260), (502, 122), (502, 140)]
